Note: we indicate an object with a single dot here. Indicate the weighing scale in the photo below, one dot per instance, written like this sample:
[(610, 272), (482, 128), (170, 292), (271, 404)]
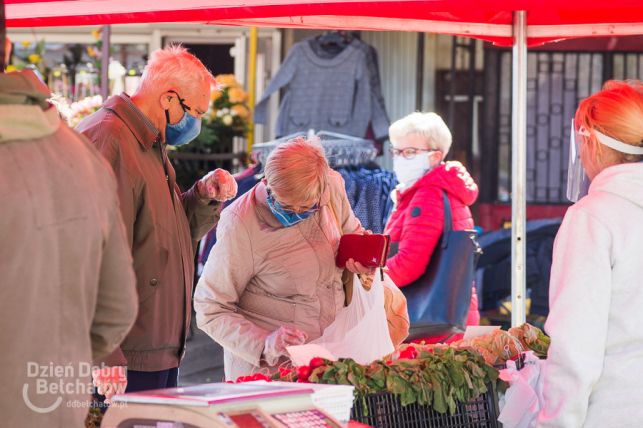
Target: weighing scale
[(219, 405)]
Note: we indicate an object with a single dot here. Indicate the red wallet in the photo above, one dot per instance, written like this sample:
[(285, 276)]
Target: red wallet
[(369, 250)]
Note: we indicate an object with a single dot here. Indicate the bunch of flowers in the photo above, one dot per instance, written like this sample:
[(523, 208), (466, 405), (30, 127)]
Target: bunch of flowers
[(77, 111), (439, 378), (229, 108), (94, 51), (436, 375), (499, 346), (30, 56), (228, 116)]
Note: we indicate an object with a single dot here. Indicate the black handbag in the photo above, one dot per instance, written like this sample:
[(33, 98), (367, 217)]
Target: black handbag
[(438, 302)]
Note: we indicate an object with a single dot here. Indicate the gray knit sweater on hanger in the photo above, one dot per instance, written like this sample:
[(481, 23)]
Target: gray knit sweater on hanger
[(321, 94)]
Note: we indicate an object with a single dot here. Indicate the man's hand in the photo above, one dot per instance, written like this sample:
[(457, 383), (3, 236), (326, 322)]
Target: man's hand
[(110, 381), (218, 185)]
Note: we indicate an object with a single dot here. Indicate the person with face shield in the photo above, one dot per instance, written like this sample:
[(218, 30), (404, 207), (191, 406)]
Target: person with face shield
[(271, 280), (593, 375), (419, 144), (163, 223)]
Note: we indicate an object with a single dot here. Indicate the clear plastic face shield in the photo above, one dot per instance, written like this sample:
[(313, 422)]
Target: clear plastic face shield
[(577, 180)]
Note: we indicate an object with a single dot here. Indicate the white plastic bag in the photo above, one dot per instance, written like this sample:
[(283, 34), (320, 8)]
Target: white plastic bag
[(360, 330), (524, 398)]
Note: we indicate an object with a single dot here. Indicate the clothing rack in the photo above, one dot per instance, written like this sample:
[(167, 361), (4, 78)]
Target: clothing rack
[(341, 150)]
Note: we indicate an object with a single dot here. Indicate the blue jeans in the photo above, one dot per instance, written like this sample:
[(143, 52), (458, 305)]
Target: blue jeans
[(143, 381)]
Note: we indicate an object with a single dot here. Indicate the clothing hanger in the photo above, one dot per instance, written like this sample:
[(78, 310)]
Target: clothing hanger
[(340, 149), (337, 38)]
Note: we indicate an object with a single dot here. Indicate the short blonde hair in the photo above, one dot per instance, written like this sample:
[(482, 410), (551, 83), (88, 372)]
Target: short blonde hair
[(430, 126), (298, 169), (616, 111), (174, 68)]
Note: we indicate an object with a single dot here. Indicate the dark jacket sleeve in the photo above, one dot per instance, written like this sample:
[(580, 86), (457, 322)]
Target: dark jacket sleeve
[(202, 213)]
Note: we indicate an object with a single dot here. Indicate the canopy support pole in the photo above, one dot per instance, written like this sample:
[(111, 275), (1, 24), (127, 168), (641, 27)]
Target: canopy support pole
[(252, 86), (518, 169), (104, 61), (3, 35), (419, 72)]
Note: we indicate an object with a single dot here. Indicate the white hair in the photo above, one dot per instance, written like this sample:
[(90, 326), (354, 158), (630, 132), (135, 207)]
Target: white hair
[(174, 68), (298, 169), (430, 126)]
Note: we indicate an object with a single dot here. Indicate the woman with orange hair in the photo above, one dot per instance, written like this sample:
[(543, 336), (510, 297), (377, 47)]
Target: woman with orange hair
[(593, 375)]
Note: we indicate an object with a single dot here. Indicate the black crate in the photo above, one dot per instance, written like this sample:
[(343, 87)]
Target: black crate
[(386, 411)]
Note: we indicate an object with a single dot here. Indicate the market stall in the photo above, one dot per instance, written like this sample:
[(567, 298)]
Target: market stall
[(507, 23)]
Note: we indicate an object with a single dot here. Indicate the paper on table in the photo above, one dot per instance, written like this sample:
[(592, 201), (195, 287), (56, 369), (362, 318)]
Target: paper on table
[(302, 354), (474, 331)]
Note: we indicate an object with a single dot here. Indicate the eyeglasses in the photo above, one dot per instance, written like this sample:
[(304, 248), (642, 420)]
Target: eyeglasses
[(185, 107), (409, 152), (292, 209)]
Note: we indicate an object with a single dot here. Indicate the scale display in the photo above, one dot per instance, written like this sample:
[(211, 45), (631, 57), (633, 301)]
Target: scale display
[(219, 405)]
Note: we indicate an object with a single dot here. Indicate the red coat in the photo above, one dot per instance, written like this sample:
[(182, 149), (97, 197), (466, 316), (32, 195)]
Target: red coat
[(418, 219)]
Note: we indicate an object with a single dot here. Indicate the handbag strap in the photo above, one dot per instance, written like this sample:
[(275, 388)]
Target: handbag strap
[(448, 220), (339, 226)]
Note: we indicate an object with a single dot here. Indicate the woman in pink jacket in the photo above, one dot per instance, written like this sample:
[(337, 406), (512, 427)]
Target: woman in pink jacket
[(420, 142)]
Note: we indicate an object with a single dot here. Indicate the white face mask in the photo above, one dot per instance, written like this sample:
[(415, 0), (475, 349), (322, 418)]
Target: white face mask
[(408, 171)]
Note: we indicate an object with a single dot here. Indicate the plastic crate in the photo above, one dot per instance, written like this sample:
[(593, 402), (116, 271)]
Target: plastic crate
[(386, 411)]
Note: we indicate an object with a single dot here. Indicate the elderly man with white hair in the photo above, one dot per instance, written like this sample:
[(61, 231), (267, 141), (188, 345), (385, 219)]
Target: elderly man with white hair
[(420, 142), (163, 224), (271, 279)]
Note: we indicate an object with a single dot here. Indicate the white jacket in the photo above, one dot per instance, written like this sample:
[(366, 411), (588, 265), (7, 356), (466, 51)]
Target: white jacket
[(594, 372)]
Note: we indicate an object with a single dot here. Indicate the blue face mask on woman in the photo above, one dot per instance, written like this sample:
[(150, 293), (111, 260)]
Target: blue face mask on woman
[(286, 217), (186, 130)]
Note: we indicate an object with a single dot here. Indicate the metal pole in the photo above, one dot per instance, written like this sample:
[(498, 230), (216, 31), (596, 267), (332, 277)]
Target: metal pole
[(518, 169), (454, 64), (104, 62), (3, 35), (471, 101), (419, 72), (252, 85)]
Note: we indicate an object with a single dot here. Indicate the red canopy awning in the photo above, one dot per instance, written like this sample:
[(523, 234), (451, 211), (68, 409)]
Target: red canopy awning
[(489, 20)]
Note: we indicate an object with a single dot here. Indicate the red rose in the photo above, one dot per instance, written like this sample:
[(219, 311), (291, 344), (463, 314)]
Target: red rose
[(260, 376), (303, 372), (409, 353), (388, 362), (283, 372), (316, 362)]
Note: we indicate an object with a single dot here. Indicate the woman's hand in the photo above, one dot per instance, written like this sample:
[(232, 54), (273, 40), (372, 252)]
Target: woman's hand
[(358, 268), (276, 343)]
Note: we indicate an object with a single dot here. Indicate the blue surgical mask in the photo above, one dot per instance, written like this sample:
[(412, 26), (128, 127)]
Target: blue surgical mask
[(186, 130), (286, 217)]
